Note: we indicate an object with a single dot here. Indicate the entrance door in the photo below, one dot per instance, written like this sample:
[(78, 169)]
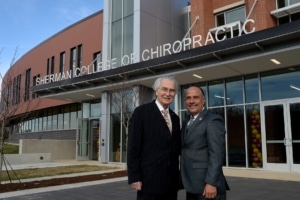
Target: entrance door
[(281, 135), (88, 133)]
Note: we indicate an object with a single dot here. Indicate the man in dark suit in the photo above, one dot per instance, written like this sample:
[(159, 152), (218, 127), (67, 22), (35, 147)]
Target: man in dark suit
[(203, 150), (154, 145)]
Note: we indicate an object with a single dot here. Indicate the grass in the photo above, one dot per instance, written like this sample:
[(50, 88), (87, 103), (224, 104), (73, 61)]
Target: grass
[(50, 171), (11, 149)]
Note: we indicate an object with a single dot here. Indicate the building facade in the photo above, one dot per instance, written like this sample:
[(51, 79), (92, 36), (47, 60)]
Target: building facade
[(242, 53)]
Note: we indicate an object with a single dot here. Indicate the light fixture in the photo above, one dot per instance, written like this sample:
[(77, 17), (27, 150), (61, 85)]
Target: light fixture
[(275, 61), (90, 95), (197, 76), (220, 97), (294, 87)]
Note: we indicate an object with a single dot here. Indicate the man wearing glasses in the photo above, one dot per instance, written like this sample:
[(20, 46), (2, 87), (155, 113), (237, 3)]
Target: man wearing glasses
[(154, 145)]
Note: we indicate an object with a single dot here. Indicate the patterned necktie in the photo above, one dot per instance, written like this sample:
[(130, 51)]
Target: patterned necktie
[(165, 115), (191, 120)]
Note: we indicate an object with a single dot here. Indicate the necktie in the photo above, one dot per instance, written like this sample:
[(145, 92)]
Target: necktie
[(191, 120), (165, 115)]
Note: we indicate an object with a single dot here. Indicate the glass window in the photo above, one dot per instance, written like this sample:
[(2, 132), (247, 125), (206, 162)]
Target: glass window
[(73, 59), (128, 7), (73, 117), (115, 139), (45, 117), (33, 125), (52, 65), (251, 88), (215, 93), (96, 108), (97, 59), (126, 118), (280, 84), (236, 136), (116, 10), (37, 125), (60, 119), (54, 118), (66, 117), (227, 17), (294, 1), (62, 61), (116, 42), (85, 110), (122, 31), (234, 91), (236, 15), (295, 16), (40, 124), (27, 84), (79, 56), (284, 3), (128, 39)]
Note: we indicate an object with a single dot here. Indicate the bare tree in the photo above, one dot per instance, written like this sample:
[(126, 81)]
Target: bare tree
[(124, 99), (15, 104)]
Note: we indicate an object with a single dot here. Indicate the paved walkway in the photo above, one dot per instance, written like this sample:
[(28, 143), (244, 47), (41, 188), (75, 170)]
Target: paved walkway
[(245, 185)]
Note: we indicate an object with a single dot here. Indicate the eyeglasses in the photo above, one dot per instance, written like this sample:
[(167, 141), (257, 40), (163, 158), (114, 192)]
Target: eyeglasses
[(166, 90)]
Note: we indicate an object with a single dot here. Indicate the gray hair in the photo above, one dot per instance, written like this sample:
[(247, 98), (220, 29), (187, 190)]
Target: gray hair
[(157, 82)]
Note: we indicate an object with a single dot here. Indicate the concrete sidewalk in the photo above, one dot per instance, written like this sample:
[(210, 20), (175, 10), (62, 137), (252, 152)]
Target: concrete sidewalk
[(244, 183)]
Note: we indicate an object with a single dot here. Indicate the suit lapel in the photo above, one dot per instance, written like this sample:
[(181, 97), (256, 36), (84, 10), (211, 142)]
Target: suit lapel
[(189, 129)]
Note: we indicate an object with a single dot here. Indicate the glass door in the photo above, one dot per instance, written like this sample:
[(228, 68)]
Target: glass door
[(95, 139), (83, 140), (88, 134), (281, 135), (294, 108)]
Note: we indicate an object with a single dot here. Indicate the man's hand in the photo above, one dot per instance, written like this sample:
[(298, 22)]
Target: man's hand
[(210, 191), (137, 185)]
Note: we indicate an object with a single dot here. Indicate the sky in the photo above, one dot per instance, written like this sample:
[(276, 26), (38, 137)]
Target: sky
[(26, 23)]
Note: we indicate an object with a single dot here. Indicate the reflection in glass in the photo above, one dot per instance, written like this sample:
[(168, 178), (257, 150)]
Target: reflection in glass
[(115, 140), (295, 131), (274, 122), (116, 43), (276, 153), (236, 136), (60, 119), (236, 15), (85, 110), (275, 134), (95, 108), (254, 144), (83, 138), (66, 123), (128, 39), (280, 84), (251, 89), (124, 137), (234, 91), (216, 93), (95, 133)]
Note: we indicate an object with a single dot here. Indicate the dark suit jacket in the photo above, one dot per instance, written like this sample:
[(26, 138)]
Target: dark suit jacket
[(203, 153), (153, 153)]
